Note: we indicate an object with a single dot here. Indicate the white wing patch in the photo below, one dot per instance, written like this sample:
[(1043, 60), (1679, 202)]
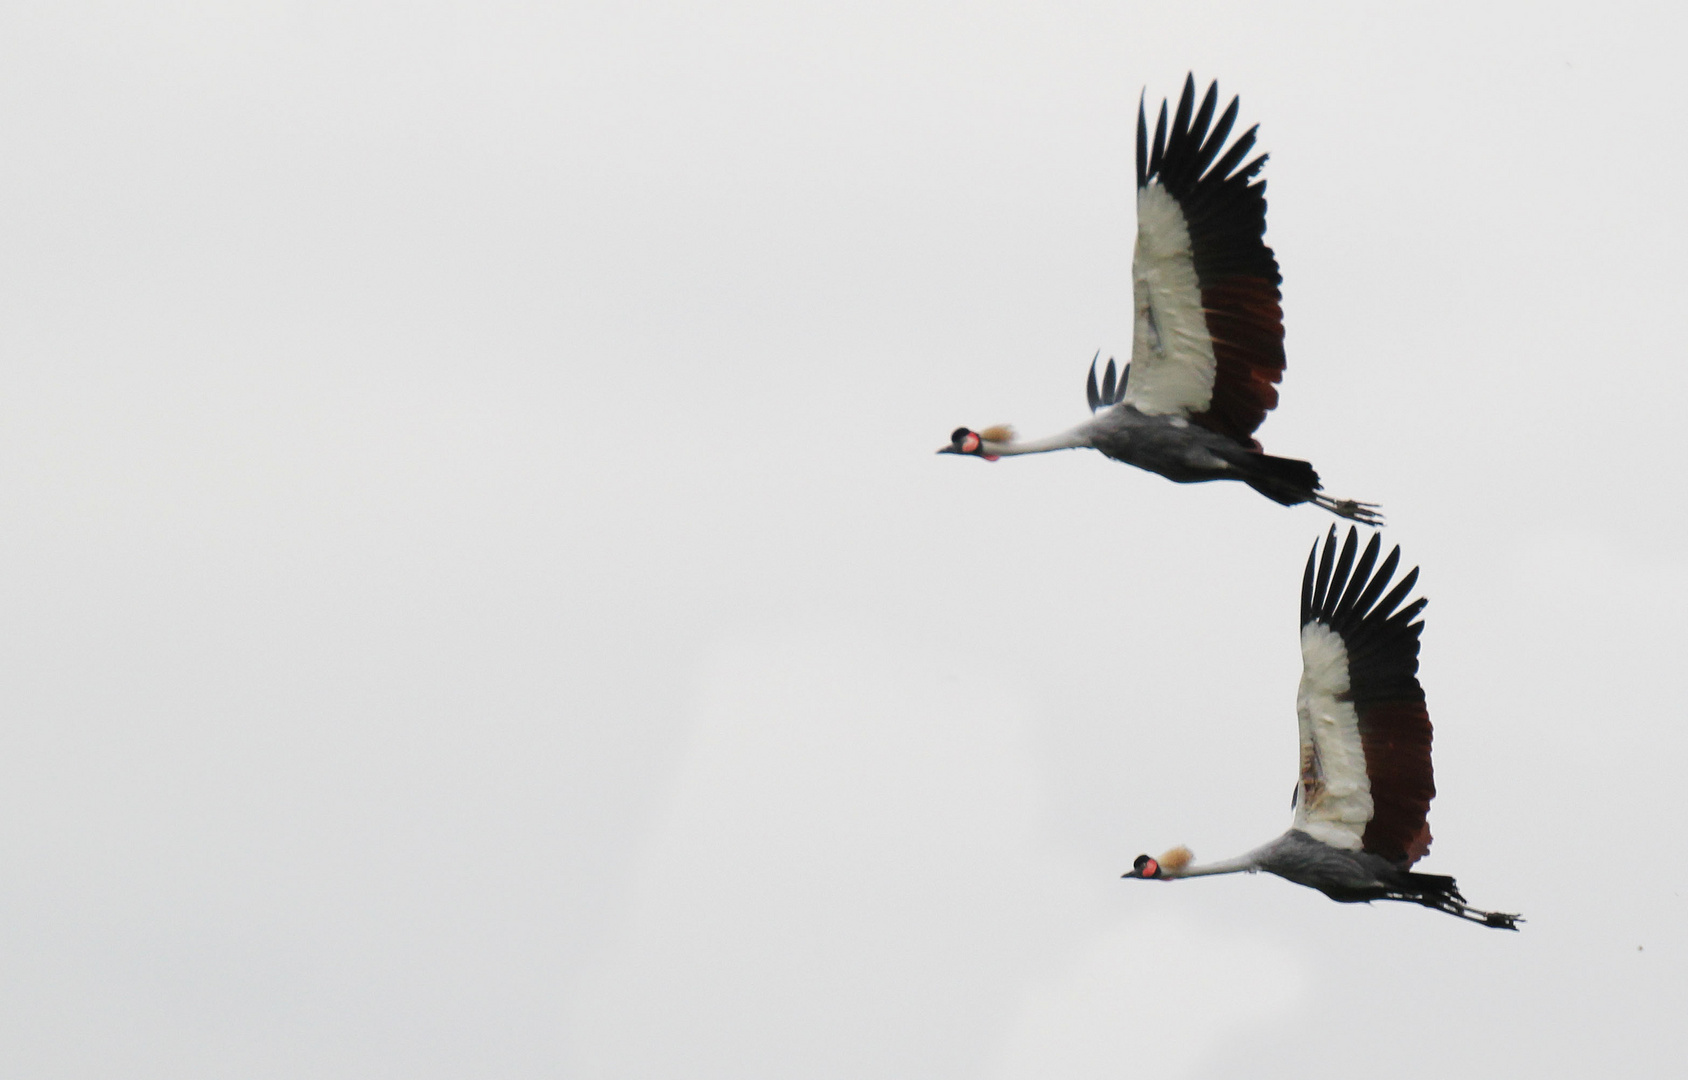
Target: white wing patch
[(1172, 364), (1334, 803)]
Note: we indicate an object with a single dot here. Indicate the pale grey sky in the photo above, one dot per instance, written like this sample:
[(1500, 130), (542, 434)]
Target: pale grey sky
[(478, 597)]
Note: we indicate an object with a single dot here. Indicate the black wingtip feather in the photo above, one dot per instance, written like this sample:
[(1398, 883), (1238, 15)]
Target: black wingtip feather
[(1238, 151), (1325, 562), (1204, 114), (1339, 578), (1160, 142), (1307, 585), (1408, 614), (1186, 101), (1360, 579), (1142, 142), (1196, 134), (1396, 595), (1379, 581), (1216, 141)]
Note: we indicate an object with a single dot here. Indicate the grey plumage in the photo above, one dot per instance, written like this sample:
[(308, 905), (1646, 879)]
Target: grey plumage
[(1351, 877), (1187, 454)]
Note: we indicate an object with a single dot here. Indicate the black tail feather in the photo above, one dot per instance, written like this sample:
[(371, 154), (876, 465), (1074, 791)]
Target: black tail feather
[(1289, 482), (1433, 889), (1285, 481)]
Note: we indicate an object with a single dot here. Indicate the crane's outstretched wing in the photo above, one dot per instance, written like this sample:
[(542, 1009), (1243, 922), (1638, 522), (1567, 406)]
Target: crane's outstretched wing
[(1366, 781), (1209, 337)]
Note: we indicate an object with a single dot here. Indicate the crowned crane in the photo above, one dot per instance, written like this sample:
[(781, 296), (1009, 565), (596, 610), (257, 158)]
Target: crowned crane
[(1208, 348), (1366, 781)]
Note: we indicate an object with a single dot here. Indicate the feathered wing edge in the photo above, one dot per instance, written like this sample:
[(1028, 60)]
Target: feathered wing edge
[(1224, 208), (1382, 649)]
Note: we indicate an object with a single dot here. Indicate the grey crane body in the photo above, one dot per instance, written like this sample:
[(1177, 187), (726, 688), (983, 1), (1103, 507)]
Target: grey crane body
[(1348, 877), (1186, 453), (1168, 445)]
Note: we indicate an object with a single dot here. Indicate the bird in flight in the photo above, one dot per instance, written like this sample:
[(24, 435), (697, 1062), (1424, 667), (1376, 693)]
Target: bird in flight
[(1366, 782), (1208, 346)]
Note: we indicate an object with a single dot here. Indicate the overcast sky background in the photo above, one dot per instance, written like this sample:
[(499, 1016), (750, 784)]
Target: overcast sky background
[(478, 599)]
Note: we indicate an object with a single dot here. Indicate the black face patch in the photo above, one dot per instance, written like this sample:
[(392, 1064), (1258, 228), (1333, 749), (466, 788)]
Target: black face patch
[(957, 436)]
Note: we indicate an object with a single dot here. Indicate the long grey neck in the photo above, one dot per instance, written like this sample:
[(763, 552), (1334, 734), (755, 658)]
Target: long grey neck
[(1066, 440), (1242, 864)]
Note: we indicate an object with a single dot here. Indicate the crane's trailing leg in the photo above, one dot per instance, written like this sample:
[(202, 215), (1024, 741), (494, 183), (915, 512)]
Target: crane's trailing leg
[(1500, 920), (1363, 512), (1439, 892)]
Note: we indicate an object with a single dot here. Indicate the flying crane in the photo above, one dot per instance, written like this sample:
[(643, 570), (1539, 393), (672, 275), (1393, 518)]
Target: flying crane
[(1366, 781), (1208, 345)]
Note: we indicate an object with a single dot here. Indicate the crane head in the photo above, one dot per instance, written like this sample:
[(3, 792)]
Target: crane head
[(1146, 867), (1168, 866), (976, 443)]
